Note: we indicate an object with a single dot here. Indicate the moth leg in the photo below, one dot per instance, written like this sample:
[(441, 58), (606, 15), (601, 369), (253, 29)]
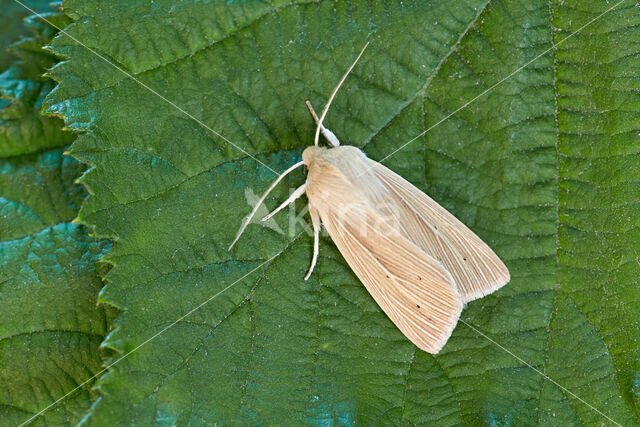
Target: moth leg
[(295, 195), (330, 136), (315, 220), (264, 196)]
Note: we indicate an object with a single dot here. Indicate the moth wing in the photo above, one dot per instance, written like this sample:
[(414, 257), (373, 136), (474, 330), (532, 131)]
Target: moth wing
[(476, 269), (416, 293), (411, 287)]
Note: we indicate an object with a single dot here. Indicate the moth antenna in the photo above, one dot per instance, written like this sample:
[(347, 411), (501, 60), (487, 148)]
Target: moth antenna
[(294, 196), (335, 91), (264, 196), (332, 139)]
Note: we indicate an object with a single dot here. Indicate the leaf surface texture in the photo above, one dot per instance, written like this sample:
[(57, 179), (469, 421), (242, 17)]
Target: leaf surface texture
[(544, 167)]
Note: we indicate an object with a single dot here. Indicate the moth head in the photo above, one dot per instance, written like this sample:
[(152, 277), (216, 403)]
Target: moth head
[(313, 154)]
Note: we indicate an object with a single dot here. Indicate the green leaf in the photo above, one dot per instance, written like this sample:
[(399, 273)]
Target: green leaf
[(13, 28), (544, 167), (23, 129), (50, 327)]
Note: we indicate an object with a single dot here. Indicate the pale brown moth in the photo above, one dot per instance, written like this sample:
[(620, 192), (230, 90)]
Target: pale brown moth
[(418, 262)]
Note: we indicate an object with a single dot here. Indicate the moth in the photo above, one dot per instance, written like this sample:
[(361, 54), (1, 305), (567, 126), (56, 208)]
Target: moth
[(418, 262)]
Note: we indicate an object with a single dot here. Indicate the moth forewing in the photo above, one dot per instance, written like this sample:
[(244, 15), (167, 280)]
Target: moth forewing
[(411, 287), (476, 269)]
